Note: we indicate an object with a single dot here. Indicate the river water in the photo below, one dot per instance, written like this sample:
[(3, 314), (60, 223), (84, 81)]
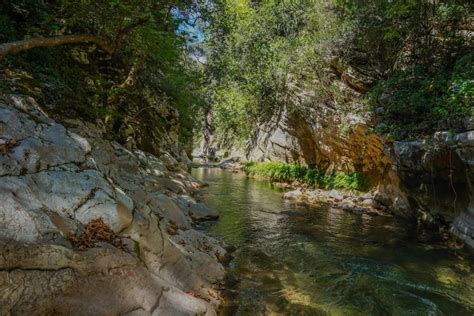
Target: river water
[(295, 260)]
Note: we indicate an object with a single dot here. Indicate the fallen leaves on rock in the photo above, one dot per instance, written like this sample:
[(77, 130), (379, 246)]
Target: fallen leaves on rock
[(205, 247), (197, 295), (172, 228), (96, 231), (87, 167), (7, 146)]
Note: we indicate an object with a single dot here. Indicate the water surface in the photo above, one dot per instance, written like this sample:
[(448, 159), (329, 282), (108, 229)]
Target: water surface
[(295, 260)]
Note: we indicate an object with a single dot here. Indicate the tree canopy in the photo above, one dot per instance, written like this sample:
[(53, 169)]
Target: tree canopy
[(119, 61), (141, 63), (269, 55)]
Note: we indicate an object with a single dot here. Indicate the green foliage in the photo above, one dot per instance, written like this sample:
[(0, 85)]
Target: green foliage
[(81, 81), (233, 114), (260, 54), (264, 55), (383, 30), (418, 101), (281, 172), (423, 61)]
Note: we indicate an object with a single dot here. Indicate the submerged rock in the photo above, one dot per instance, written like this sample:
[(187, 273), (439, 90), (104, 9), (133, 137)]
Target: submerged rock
[(293, 195), (55, 181)]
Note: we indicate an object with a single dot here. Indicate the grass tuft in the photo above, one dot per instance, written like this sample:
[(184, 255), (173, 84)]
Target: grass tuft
[(281, 172)]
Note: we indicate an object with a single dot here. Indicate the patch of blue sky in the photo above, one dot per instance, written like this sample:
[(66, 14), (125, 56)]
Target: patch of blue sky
[(189, 27)]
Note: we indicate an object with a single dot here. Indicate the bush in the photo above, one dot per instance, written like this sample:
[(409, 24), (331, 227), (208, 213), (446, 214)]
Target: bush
[(281, 172), (422, 102)]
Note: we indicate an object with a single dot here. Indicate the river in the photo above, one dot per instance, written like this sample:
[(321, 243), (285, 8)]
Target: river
[(296, 260)]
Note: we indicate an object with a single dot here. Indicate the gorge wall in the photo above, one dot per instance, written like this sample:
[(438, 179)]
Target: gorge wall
[(352, 87), (429, 179), (91, 227)]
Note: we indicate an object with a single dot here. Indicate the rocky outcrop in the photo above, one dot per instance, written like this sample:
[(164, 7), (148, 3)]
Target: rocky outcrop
[(436, 178), (144, 259), (429, 180), (274, 142), (327, 141)]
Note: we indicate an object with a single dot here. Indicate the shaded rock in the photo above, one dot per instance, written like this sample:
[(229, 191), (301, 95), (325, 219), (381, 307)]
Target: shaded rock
[(336, 195), (434, 176), (368, 203), (347, 204), (469, 123)]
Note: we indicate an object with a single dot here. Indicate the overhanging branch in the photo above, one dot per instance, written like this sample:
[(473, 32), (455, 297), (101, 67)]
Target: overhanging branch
[(19, 46)]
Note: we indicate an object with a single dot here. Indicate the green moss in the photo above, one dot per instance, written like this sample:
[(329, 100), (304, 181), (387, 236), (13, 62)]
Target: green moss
[(281, 172)]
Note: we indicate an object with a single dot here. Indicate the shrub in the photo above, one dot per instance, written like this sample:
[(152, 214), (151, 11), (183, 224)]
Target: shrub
[(281, 172), (421, 101)]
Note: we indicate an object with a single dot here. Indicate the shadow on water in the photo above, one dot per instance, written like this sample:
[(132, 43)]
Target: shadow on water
[(294, 260)]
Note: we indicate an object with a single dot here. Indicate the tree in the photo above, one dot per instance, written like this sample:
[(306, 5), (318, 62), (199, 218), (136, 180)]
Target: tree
[(144, 77)]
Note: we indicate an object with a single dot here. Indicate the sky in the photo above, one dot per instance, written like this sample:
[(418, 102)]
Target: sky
[(194, 35)]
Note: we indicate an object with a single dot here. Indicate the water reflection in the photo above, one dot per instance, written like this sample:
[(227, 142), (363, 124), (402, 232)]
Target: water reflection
[(292, 260)]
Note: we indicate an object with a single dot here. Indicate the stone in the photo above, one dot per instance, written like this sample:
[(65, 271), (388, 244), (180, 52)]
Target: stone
[(336, 195), (197, 211), (380, 111), (368, 203), (56, 180), (463, 227), (170, 162), (469, 123), (293, 195), (347, 204), (312, 195)]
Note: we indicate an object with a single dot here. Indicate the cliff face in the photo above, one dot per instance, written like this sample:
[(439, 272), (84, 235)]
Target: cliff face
[(91, 227), (436, 176), (429, 179)]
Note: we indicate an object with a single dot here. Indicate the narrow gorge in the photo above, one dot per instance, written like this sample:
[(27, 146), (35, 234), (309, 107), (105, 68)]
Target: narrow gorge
[(235, 157)]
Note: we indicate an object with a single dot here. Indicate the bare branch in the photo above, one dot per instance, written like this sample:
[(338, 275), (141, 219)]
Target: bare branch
[(19, 46)]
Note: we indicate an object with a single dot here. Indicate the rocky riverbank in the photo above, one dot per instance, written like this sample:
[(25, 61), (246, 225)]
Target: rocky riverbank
[(229, 164), (91, 227), (449, 218), (429, 180), (359, 204)]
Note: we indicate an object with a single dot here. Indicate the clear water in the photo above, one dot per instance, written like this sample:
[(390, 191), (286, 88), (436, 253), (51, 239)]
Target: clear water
[(294, 260)]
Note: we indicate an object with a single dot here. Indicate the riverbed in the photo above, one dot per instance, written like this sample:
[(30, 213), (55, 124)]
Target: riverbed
[(291, 259)]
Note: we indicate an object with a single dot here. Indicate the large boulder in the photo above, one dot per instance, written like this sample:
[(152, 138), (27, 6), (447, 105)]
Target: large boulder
[(434, 176)]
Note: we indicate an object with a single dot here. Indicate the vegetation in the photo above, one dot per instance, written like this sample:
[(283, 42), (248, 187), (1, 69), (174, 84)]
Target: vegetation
[(128, 65), (416, 103), (264, 53), (281, 172), (283, 56), (117, 61)]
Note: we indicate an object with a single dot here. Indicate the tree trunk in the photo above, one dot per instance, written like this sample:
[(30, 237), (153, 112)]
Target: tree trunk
[(19, 46)]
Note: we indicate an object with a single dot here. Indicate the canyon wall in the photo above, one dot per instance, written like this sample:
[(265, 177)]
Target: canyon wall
[(90, 226), (429, 179)]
